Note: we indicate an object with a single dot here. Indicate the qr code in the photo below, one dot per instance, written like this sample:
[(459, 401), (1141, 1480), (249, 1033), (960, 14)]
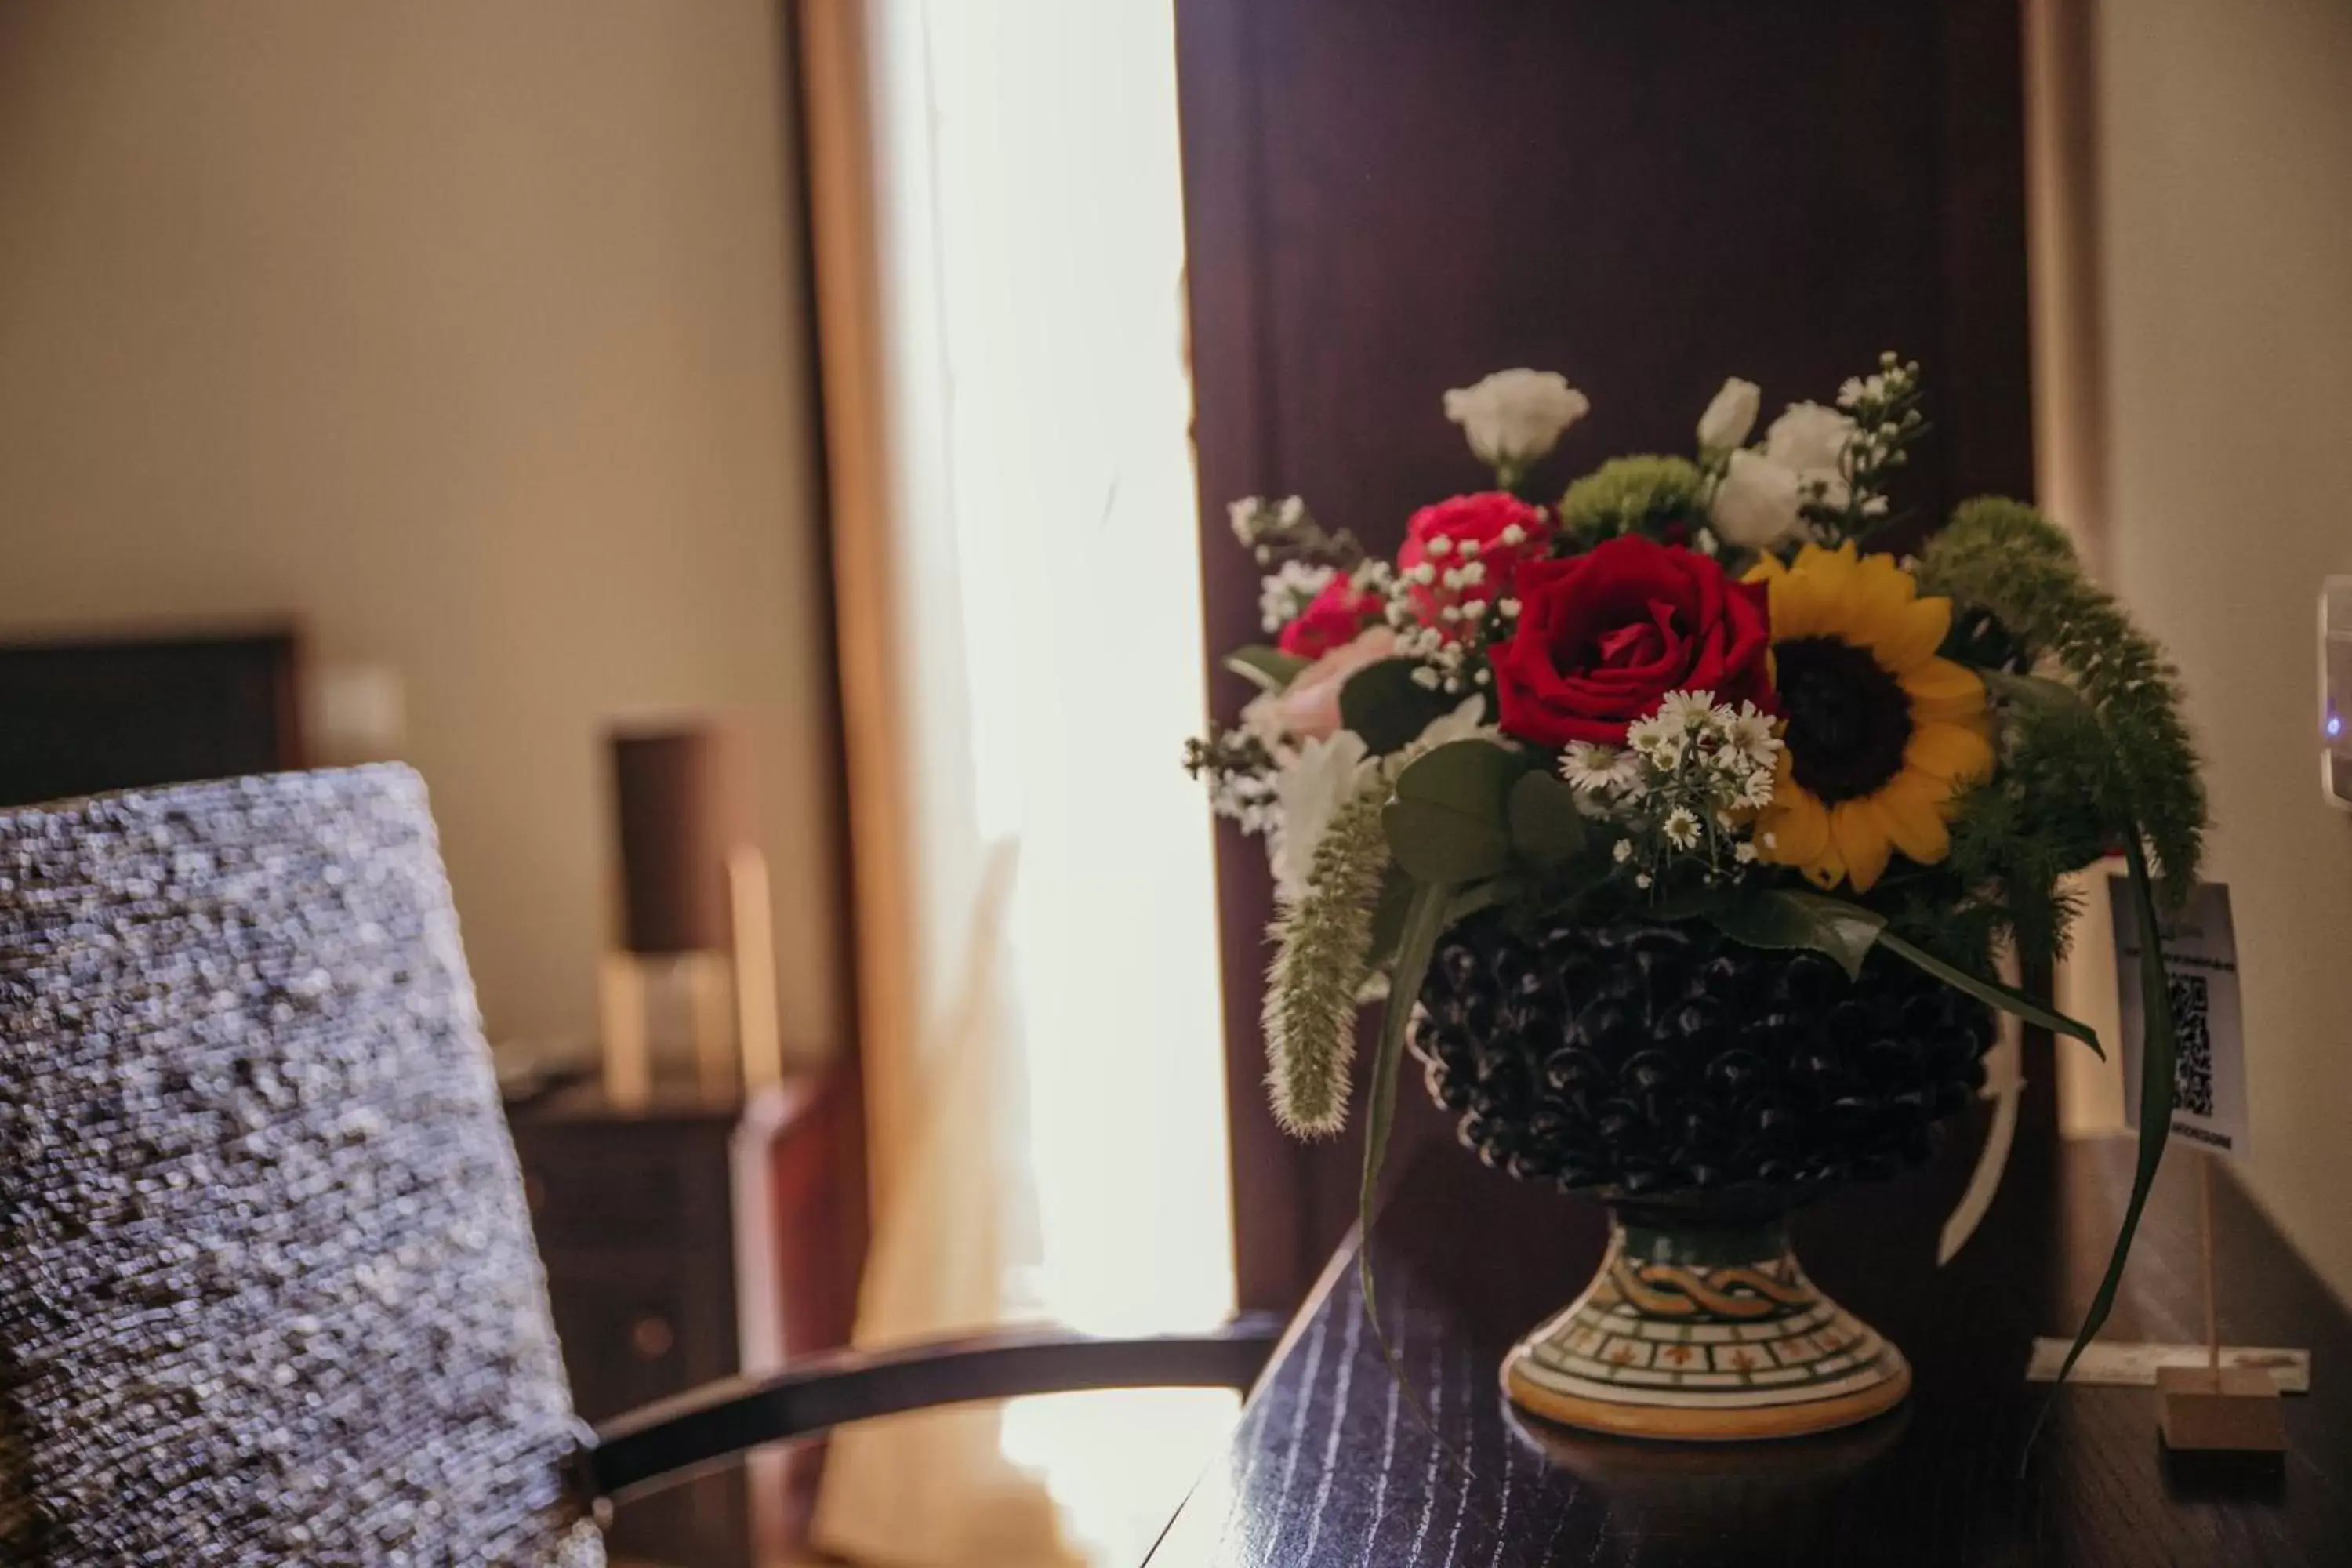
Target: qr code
[(2192, 1061)]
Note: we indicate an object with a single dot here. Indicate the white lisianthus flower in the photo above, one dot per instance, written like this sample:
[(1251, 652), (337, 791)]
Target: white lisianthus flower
[(1758, 503), (1320, 778), (1730, 416), (1515, 416)]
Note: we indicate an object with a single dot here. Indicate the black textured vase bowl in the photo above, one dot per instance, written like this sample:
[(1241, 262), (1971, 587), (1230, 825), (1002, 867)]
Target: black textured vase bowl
[(1703, 1089)]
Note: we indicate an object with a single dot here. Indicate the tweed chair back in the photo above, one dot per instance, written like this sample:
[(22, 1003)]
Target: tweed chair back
[(267, 1289)]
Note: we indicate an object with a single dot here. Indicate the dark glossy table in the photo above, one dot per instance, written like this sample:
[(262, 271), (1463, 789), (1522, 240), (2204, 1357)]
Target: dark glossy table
[(1329, 1466)]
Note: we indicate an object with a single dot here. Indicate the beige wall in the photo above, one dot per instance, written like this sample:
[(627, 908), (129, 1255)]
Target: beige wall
[(2223, 204), (467, 330)]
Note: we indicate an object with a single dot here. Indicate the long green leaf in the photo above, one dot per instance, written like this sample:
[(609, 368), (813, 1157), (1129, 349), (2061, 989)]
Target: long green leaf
[(2156, 1096), (1425, 923), (1268, 669), (1994, 993), (1832, 927)]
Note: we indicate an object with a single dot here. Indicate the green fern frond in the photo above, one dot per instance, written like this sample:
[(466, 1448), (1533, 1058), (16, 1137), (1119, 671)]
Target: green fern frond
[(2072, 779)]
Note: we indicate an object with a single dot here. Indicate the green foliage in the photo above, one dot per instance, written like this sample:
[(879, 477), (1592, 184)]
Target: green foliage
[(1268, 669), (1635, 495), (2076, 776), (1384, 704), (1450, 821), (1782, 918), (1323, 956), (1545, 827)]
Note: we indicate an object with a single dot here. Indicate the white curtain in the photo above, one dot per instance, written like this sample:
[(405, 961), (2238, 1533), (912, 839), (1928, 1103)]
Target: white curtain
[(1062, 1118)]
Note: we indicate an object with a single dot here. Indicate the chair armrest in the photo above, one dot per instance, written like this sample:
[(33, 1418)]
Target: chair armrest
[(661, 1443)]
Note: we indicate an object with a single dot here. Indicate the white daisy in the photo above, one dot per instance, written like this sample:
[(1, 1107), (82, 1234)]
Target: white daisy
[(1681, 827), (1685, 712), (1744, 853), (1590, 766), (1623, 852), (1656, 740), (1751, 732)]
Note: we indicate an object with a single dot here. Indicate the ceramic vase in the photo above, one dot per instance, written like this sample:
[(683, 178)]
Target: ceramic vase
[(1703, 1089)]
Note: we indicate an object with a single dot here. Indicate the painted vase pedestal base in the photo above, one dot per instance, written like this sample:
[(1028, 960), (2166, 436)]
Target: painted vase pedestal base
[(1701, 1332)]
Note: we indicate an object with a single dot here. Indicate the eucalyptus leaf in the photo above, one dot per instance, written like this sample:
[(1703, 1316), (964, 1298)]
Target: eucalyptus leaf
[(1268, 669), (1450, 821), (1546, 827), (2156, 1099), (1992, 992), (1438, 845), (1387, 707), (1783, 918)]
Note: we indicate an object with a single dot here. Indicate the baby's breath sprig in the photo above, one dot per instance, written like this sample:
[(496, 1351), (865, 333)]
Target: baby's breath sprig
[(1446, 612), (1885, 408), (1275, 531), (1240, 772)]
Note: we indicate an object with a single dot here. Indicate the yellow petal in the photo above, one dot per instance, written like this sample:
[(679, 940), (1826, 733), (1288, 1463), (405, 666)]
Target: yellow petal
[(1940, 690), (1802, 606), (1912, 807), (1910, 636), (1859, 835), (1768, 569), (1799, 824), (1950, 751), (1833, 567)]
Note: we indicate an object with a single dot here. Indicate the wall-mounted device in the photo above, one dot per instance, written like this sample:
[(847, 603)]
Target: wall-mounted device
[(2336, 691)]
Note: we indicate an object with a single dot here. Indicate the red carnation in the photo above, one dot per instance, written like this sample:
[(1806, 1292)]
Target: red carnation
[(1603, 635), (1506, 532), (1331, 619)]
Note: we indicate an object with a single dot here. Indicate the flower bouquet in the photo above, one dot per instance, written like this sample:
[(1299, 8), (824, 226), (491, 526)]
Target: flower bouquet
[(1679, 827)]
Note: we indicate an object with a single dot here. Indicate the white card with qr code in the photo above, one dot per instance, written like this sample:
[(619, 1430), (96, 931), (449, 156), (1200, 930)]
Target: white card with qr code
[(2200, 960)]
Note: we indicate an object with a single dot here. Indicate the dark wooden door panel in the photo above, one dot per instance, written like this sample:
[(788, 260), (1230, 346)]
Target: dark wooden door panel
[(1386, 198)]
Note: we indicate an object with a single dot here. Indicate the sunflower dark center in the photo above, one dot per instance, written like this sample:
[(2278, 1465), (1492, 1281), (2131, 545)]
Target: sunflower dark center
[(1848, 718)]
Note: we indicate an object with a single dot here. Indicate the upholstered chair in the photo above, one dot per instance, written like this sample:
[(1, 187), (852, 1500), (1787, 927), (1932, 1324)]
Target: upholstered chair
[(267, 1287)]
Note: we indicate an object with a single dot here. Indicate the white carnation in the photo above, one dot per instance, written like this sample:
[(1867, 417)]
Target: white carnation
[(1809, 438), (1515, 416), (1758, 503)]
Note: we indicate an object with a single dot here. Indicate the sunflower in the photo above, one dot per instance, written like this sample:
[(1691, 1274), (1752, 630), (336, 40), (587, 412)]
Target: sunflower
[(1881, 736)]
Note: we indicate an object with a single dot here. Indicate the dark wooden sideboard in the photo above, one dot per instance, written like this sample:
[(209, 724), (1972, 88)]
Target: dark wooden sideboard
[(687, 1242)]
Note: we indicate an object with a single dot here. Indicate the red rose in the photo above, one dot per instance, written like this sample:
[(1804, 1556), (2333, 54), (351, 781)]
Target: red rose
[(1331, 619), (1602, 637), (1506, 530)]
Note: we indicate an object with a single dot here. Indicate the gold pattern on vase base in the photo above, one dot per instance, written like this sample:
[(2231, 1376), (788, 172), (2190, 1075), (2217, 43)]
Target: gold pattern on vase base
[(1719, 1352)]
